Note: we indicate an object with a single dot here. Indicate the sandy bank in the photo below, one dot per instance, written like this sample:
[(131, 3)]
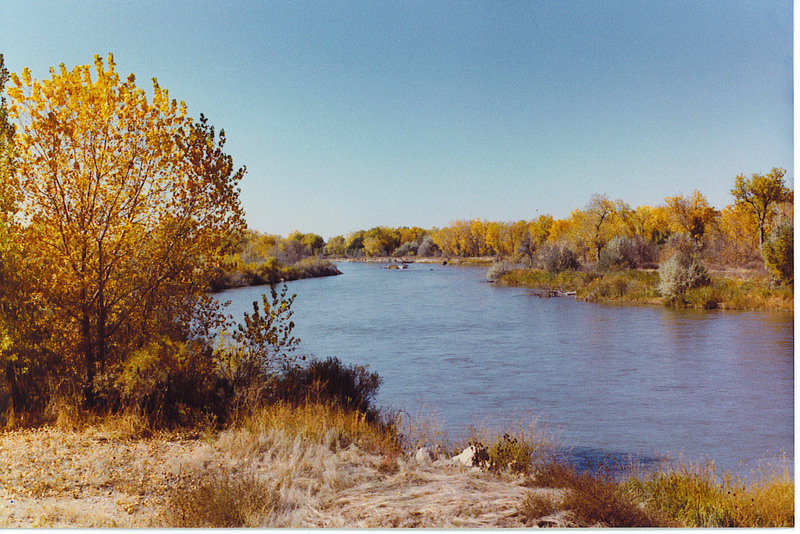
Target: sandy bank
[(99, 477)]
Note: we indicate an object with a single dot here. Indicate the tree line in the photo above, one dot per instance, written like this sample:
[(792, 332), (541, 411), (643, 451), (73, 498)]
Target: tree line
[(754, 229)]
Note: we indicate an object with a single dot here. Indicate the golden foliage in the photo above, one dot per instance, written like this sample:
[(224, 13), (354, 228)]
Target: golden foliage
[(125, 206)]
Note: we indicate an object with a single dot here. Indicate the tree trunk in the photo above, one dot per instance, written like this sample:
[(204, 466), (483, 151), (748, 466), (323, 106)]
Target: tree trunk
[(89, 357)]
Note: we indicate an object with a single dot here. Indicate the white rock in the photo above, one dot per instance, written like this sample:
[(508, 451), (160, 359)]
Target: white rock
[(466, 457), (424, 455)]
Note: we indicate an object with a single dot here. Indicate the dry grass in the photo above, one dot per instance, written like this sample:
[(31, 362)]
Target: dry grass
[(221, 501), (697, 496), (588, 499), (299, 467), (315, 466)]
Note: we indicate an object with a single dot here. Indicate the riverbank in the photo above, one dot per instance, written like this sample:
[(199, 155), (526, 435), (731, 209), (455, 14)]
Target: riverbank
[(730, 290), (441, 260), (114, 475), (314, 466), (271, 272)]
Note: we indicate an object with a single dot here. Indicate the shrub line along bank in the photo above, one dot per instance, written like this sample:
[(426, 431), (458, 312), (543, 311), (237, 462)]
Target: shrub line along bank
[(720, 290)]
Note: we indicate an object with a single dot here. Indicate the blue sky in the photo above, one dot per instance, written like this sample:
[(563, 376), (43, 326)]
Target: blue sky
[(350, 115)]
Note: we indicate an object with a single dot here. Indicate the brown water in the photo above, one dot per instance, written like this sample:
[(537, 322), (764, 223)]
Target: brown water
[(649, 382)]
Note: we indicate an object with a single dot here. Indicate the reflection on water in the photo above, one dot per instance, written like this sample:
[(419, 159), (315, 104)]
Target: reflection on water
[(642, 381)]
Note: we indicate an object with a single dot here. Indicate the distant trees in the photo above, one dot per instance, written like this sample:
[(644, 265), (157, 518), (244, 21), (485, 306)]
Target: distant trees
[(691, 215)]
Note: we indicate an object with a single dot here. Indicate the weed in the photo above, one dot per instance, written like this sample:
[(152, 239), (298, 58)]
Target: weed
[(516, 451), (591, 498), (536, 506), (221, 501)]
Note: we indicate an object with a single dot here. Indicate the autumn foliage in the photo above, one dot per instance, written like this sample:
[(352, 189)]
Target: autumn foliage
[(123, 206)]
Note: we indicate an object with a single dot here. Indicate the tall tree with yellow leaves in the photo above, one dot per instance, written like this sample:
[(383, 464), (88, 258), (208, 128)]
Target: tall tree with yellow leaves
[(761, 194), (126, 205)]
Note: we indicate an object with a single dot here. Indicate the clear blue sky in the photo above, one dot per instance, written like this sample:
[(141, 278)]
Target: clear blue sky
[(353, 114)]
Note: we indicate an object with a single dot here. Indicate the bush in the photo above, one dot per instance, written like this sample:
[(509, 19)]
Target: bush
[(330, 382), (268, 337), (510, 453), (221, 501), (555, 259), (625, 253), (498, 269), (779, 253), (428, 248), (679, 274), (592, 499), (409, 248), (168, 382)]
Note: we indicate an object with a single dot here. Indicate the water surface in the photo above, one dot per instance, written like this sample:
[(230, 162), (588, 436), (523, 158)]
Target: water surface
[(619, 380)]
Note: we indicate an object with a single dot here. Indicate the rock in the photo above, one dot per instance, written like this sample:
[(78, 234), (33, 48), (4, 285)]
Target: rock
[(467, 456), (473, 456), (424, 455)]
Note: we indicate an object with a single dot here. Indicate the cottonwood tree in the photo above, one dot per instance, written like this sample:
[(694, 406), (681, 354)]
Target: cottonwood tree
[(595, 223), (126, 205), (692, 214), (761, 194)]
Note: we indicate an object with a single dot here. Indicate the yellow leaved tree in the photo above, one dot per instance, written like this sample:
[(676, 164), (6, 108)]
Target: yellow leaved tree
[(125, 207)]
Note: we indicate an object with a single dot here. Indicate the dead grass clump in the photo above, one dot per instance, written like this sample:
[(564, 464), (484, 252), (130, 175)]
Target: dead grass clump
[(592, 499), (536, 506), (222, 501), (326, 423)]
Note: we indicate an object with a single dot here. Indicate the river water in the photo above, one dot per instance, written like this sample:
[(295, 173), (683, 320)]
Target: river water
[(646, 382)]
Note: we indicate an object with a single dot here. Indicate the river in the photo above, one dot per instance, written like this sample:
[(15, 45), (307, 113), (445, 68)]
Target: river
[(607, 380)]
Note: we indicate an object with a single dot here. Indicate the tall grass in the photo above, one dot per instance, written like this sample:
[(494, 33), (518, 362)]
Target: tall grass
[(325, 423), (740, 294), (697, 496)]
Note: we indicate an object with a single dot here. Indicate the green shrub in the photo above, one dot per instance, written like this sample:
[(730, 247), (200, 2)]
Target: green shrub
[(267, 337)]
